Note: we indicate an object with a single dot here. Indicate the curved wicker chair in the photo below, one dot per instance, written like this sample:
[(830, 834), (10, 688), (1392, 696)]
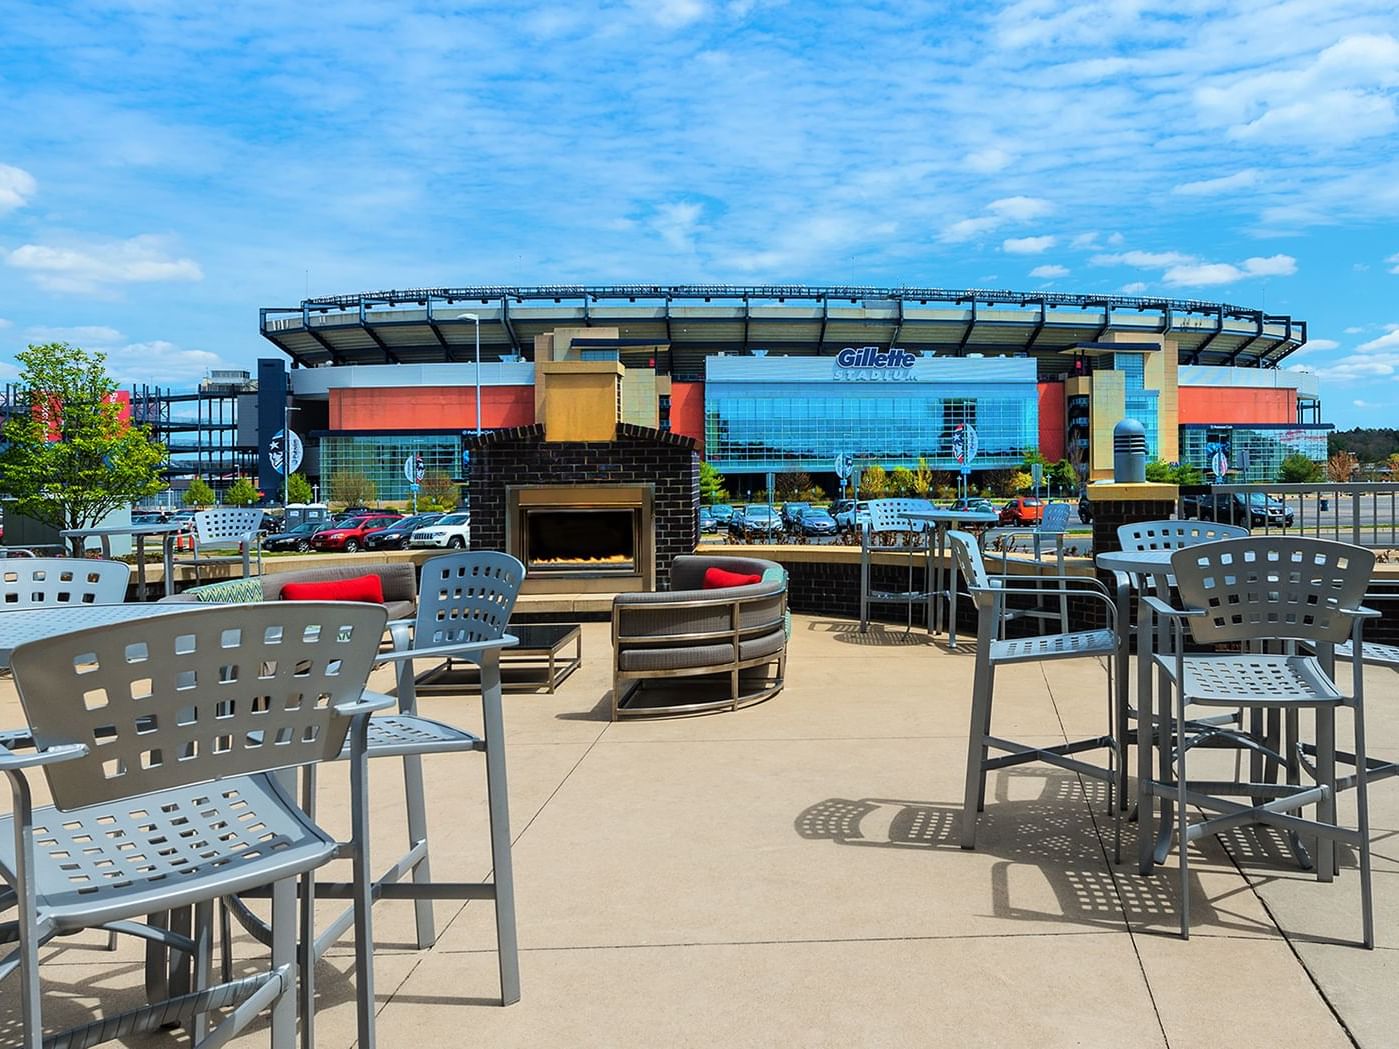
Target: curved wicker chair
[(682, 635)]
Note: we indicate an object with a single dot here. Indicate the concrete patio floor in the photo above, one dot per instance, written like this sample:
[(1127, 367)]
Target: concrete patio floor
[(790, 875)]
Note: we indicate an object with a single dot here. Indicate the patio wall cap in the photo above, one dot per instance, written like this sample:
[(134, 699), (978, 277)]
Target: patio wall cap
[(1135, 492)]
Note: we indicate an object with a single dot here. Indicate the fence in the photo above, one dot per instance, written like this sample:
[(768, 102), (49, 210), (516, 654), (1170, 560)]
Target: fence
[(1366, 514)]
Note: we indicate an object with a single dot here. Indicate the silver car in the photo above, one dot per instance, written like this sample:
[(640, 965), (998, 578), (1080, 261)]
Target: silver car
[(452, 531)]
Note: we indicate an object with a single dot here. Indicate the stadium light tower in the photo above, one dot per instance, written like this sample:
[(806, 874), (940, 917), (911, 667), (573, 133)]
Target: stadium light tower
[(475, 318)]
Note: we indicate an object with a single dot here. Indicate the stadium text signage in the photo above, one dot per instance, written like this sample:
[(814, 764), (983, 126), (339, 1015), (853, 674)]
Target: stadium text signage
[(871, 364)]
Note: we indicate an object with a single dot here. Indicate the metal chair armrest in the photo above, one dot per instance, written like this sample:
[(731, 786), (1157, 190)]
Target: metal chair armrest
[(1161, 608), (445, 651), (1360, 612), (368, 703), (12, 762), (1097, 594)]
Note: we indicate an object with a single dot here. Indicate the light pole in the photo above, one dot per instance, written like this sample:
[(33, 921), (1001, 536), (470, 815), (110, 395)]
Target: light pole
[(476, 319), (286, 453)]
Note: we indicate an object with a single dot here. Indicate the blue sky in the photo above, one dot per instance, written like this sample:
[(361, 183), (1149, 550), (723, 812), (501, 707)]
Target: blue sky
[(168, 167)]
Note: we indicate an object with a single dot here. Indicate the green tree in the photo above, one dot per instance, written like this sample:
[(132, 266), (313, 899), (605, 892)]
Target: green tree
[(438, 492), (1159, 472), (923, 479), (70, 458), (1297, 468), (711, 484), (1063, 476), (198, 494), (1020, 481), (352, 488), (901, 481), (874, 483), (299, 489), (241, 492)]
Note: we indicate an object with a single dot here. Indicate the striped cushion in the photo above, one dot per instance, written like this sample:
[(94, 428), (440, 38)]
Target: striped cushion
[(232, 592)]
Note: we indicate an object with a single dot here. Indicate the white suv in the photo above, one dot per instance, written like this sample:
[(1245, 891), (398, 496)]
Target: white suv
[(453, 531)]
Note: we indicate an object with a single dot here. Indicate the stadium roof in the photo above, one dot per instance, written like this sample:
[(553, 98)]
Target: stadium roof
[(429, 325)]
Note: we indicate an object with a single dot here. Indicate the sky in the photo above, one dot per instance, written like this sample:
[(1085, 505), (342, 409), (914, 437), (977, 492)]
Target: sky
[(167, 167)]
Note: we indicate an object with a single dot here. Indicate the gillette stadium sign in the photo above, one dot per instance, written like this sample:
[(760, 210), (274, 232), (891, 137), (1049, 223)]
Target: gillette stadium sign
[(871, 364)]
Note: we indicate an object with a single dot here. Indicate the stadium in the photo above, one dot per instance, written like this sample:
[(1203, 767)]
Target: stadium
[(774, 379)]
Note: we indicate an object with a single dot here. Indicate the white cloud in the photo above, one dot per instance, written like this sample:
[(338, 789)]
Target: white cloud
[(6, 323), (1320, 344), (161, 362), (1085, 241), (93, 266), (672, 13), (1393, 263), (1390, 340), (1187, 270), (1136, 287), (82, 335), (1003, 212), (677, 224), (1364, 404), (1211, 186), (1352, 330), (988, 161), (1049, 272), (1027, 245), (16, 187)]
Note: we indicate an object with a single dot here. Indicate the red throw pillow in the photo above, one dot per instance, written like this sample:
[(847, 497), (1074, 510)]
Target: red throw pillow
[(720, 579), (368, 588)]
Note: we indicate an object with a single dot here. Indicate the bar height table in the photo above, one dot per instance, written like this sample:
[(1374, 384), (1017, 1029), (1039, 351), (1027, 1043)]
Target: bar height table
[(945, 583), (167, 532)]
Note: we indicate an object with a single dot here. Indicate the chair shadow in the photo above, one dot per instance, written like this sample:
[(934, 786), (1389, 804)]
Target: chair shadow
[(878, 635), (1053, 834), (599, 711)]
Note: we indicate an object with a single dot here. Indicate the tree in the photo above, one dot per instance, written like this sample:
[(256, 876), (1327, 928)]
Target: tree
[(711, 483), (1341, 467), (1392, 465), (1063, 476), (1159, 472), (437, 493), (198, 494), (352, 488), (874, 483), (70, 457), (299, 489), (1298, 468), (901, 481), (241, 492), (923, 479), (1020, 481)]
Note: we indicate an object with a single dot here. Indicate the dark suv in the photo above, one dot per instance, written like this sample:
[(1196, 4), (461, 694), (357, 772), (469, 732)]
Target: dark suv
[(1255, 510)]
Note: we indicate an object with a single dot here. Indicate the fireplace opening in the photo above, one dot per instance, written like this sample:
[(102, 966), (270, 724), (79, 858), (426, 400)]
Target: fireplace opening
[(581, 540)]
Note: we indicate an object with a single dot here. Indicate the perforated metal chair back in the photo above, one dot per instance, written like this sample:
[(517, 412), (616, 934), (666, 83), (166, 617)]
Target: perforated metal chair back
[(170, 701), (967, 554), (1272, 587), (887, 515), (1173, 535), (466, 597), (225, 524), (36, 582), (1054, 519)]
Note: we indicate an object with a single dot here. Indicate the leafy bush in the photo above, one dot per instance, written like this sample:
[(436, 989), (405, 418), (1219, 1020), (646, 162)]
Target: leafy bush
[(1299, 469), (198, 494)]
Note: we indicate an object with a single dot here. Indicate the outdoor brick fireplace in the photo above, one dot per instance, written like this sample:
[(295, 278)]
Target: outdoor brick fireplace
[(586, 516)]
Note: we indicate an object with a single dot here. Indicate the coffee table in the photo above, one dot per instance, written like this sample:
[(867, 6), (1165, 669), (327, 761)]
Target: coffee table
[(539, 661)]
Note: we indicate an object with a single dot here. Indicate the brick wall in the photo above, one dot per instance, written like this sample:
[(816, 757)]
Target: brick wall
[(638, 455)]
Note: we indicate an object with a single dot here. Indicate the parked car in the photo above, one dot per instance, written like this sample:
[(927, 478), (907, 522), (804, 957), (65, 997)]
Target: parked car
[(707, 522), (395, 536), (759, 521), (735, 522), (1085, 508), (450, 530), (975, 505), (297, 537), (1255, 510), (721, 512), (855, 514), (1022, 510), (815, 521), (791, 515), (349, 535)]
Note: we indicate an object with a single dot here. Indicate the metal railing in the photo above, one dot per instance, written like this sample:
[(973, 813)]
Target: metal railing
[(1366, 514)]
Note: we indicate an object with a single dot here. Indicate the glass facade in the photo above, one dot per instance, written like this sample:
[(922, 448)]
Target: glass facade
[(1140, 403), (380, 457), (1255, 452), (801, 421)]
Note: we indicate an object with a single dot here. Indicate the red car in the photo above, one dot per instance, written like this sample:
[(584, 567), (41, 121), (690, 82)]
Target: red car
[(1022, 510), (349, 535)]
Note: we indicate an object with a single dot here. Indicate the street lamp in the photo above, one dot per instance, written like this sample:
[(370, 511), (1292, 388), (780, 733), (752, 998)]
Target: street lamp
[(476, 319), (286, 453)]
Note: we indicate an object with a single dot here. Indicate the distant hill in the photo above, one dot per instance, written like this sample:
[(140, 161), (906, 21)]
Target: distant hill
[(1369, 445)]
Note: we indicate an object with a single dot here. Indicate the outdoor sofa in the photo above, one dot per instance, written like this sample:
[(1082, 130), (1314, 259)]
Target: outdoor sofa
[(398, 578), (731, 641)]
